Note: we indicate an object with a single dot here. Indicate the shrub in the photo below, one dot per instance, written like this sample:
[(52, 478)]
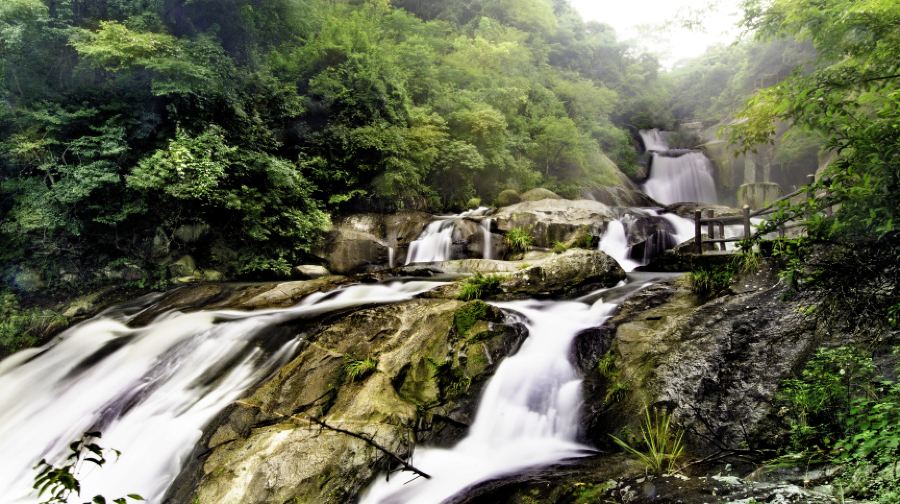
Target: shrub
[(711, 281), (559, 247), (662, 445), (358, 369), (23, 328), (507, 197), (60, 483), (479, 286), (518, 240)]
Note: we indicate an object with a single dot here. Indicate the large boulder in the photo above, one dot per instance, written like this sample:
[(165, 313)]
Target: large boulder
[(539, 193), (363, 241), (550, 220), (429, 358), (716, 364), (620, 196)]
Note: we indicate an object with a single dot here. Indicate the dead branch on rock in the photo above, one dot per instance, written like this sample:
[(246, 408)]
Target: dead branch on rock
[(370, 441)]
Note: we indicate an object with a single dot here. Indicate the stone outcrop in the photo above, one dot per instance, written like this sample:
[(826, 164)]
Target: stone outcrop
[(361, 241), (717, 364), (549, 221), (429, 358)]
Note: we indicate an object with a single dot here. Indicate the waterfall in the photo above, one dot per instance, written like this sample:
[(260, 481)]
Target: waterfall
[(528, 415), (677, 175), (684, 178), (615, 243), (150, 390), (436, 241), (653, 140), (391, 259), (486, 233)]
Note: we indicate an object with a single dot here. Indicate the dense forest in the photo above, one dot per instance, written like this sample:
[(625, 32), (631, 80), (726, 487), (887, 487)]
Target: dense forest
[(146, 144), (129, 124)]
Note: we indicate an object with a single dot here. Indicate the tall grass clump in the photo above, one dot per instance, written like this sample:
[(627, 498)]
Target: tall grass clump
[(661, 446)]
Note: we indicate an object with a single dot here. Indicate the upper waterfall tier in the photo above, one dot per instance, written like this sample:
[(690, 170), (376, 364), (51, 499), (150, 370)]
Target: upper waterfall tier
[(677, 175)]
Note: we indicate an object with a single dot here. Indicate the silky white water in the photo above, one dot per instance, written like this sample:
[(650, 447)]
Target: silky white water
[(614, 243), (436, 241), (486, 241), (528, 415), (149, 390), (684, 178), (653, 140)]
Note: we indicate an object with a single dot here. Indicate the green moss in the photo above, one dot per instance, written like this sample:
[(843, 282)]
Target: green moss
[(466, 317), (479, 286), (615, 386), (357, 369), (589, 494)]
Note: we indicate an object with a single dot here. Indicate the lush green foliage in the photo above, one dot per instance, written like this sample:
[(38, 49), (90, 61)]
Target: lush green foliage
[(125, 123), (467, 316), (21, 328), (518, 240), (60, 484), (840, 409), (710, 281), (479, 286), (850, 96), (355, 369), (661, 445)]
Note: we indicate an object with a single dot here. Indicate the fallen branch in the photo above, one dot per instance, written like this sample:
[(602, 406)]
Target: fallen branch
[(372, 442)]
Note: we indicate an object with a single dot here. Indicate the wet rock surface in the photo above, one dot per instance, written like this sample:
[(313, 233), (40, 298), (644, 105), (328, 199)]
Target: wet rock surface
[(550, 220), (428, 370)]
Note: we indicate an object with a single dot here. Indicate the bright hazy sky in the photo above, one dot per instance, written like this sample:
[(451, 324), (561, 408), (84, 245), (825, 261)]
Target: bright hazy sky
[(644, 22)]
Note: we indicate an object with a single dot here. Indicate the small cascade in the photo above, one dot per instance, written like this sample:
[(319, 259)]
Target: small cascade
[(614, 243), (653, 140), (486, 233), (391, 258), (528, 414), (150, 390), (435, 244), (677, 175)]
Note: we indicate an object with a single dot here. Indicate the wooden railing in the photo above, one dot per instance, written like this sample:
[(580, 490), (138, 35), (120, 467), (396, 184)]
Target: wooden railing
[(714, 223)]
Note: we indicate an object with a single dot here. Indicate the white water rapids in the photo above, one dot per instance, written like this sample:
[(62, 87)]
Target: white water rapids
[(436, 241), (677, 176), (528, 415), (150, 390)]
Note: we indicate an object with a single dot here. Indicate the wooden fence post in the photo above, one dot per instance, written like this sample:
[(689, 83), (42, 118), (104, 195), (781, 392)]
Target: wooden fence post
[(746, 212), (698, 240), (711, 226), (722, 246)]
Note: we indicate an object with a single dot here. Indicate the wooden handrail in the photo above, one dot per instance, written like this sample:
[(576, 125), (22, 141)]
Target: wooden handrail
[(712, 222)]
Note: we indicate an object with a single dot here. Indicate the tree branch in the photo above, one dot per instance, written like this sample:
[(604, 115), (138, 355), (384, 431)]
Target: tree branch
[(370, 441)]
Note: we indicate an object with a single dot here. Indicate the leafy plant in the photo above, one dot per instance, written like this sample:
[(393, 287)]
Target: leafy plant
[(356, 369), (61, 483), (518, 240), (468, 315), (479, 286), (615, 387), (710, 281), (819, 401), (559, 247), (661, 445), (21, 328)]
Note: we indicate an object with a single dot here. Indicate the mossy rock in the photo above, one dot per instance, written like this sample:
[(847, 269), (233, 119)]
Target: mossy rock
[(507, 197), (540, 193)]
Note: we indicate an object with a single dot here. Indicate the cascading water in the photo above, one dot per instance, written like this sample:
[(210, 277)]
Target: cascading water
[(653, 140), (150, 390), (615, 243), (435, 244), (677, 175), (527, 416), (486, 233)]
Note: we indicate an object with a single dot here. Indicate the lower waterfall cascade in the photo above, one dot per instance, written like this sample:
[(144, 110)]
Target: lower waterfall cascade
[(150, 390)]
